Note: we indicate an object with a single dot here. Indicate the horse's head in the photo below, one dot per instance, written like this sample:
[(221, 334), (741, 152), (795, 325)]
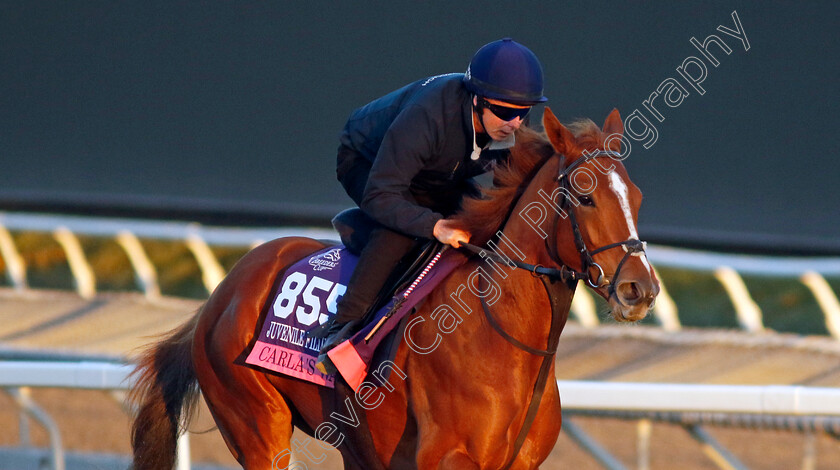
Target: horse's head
[(597, 207)]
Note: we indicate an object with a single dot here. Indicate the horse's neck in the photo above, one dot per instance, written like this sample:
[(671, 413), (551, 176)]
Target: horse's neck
[(527, 307), (520, 240)]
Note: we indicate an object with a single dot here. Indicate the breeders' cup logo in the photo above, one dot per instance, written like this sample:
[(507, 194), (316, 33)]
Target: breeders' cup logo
[(325, 261)]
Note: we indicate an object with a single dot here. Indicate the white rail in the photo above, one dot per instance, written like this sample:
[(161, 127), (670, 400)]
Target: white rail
[(788, 266), (108, 227), (687, 398), (767, 399), (78, 375), (18, 376), (727, 268)]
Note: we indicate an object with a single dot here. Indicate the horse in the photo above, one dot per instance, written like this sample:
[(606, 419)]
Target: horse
[(468, 391)]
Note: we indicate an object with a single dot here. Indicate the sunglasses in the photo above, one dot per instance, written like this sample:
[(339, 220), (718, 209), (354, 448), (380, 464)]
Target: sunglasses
[(503, 112)]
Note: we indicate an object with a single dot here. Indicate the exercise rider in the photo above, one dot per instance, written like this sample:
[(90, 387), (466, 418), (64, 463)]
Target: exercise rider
[(408, 158)]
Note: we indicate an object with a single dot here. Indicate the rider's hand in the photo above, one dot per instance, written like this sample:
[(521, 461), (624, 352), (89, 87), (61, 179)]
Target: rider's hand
[(446, 232)]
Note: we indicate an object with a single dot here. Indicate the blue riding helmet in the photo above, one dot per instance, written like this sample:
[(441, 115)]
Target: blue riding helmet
[(508, 71)]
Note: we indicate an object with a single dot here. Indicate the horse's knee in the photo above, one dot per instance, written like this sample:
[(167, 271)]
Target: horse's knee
[(458, 460), (284, 461), (453, 460)]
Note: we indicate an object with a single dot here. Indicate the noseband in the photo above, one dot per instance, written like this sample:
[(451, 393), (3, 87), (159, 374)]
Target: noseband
[(631, 246)]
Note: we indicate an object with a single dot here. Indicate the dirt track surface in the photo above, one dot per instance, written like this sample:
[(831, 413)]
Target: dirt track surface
[(119, 323)]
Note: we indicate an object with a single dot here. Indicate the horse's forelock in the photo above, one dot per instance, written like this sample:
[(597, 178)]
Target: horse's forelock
[(587, 134)]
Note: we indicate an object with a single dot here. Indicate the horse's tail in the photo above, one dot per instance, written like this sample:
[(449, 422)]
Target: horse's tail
[(165, 394)]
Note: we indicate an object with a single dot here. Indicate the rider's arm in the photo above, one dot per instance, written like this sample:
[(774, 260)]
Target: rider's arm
[(408, 145)]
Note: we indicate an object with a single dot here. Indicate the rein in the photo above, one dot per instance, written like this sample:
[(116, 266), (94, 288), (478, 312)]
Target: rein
[(565, 273), (549, 277)]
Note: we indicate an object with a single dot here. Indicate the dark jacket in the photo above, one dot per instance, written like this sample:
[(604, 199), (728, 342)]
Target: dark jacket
[(416, 142)]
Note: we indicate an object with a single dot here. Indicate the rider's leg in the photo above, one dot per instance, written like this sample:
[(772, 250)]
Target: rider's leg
[(378, 259)]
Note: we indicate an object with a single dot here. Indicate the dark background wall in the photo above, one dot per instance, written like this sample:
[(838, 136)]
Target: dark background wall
[(235, 107)]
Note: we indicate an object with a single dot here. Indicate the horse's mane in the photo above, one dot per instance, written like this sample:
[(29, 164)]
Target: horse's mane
[(484, 214)]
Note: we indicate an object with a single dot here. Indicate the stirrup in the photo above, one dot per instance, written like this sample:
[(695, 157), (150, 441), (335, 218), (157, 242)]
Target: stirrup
[(325, 365), (336, 334)]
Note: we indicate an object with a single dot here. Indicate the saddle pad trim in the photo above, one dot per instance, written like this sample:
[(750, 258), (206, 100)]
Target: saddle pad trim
[(353, 367), (288, 362)]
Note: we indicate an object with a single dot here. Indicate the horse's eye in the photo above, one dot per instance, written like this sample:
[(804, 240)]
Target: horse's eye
[(586, 200)]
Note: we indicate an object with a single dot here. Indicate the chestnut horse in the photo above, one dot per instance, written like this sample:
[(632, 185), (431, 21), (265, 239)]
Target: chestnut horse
[(461, 388)]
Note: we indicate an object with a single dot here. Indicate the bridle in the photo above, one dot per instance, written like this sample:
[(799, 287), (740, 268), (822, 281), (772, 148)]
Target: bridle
[(549, 276), (631, 246)]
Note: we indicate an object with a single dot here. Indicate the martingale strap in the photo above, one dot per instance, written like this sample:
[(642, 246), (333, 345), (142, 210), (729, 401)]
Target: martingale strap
[(559, 305), (504, 334)]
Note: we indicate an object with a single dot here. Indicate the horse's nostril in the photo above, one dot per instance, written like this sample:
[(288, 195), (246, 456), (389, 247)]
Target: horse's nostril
[(629, 292)]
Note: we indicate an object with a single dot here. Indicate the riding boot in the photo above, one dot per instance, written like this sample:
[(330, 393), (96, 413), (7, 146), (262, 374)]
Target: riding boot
[(377, 261)]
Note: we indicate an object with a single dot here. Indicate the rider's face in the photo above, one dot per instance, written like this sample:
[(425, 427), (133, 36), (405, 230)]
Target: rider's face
[(496, 127)]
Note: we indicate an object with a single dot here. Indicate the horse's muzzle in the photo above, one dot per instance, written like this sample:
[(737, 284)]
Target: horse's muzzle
[(633, 299)]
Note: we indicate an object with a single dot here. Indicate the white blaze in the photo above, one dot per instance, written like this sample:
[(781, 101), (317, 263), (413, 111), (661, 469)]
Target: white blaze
[(620, 190)]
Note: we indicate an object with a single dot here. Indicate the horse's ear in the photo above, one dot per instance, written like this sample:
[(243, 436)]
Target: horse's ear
[(613, 124), (561, 138)]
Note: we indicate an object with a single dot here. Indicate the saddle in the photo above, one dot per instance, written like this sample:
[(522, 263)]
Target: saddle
[(301, 298)]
